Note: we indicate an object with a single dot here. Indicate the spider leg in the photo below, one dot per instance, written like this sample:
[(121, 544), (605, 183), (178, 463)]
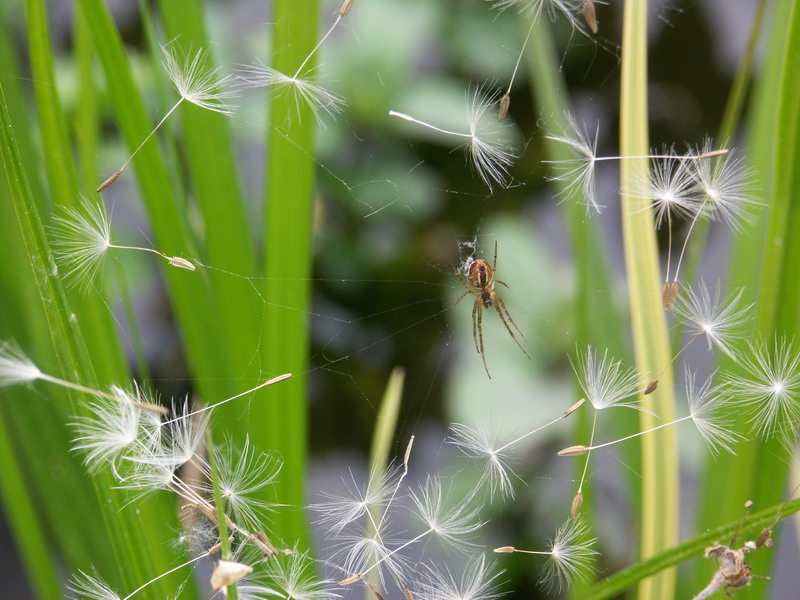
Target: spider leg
[(501, 308), (501, 282), (475, 319), (461, 297), (494, 263), (477, 323)]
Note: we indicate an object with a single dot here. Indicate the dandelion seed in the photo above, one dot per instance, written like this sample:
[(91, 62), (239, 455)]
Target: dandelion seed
[(83, 236), (88, 587), (489, 155), (453, 525), (707, 410), (112, 430), (15, 366), (480, 445), (533, 8), (340, 510), (377, 550), (722, 186), (569, 557), (718, 320), (243, 473), (180, 439), (81, 239), (291, 576), (477, 582), (668, 190), (578, 173), (606, 382), (300, 86), (197, 83), (771, 387)]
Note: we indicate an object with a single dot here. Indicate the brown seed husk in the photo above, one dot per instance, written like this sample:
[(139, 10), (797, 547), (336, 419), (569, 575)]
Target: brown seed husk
[(589, 15), (111, 179), (673, 294), (346, 6), (651, 387), (665, 296), (505, 102), (505, 549), (573, 408), (577, 504), (573, 451)]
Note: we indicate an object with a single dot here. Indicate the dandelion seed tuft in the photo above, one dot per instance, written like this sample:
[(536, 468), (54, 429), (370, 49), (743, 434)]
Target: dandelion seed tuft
[(480, 445), (770, 386), (453, 525), (668, 188), (489, 154), (578, 173), (724, 188), (15, 366), (81, 238), (606, 382), (571, 556), (291, 576), (88, 587), (113, 430), (477, 582), (709, 410), (300, 88), (718, 320), (196, 82), (243, 473)]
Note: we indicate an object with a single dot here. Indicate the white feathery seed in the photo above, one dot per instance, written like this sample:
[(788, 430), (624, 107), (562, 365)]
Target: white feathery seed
[(606, 382)]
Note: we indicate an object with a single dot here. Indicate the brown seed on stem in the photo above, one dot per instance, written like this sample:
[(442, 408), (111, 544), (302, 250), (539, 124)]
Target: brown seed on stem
[(346, 6), (589, 15), (505, 550), (651, 387), (505, 102), (573, 408), (577, 504), (573, 451), (109, 180)]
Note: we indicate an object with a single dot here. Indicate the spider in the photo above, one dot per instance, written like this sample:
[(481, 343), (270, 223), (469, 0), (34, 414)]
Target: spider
[(480, 283)]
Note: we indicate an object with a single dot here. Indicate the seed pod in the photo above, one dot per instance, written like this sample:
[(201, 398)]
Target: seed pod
[(346, 6), (505, 102), (181, 263), (504, 550), (109, 180), (573, 451), (651, 387), (573, 408), (577, 504), (589, 15)]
